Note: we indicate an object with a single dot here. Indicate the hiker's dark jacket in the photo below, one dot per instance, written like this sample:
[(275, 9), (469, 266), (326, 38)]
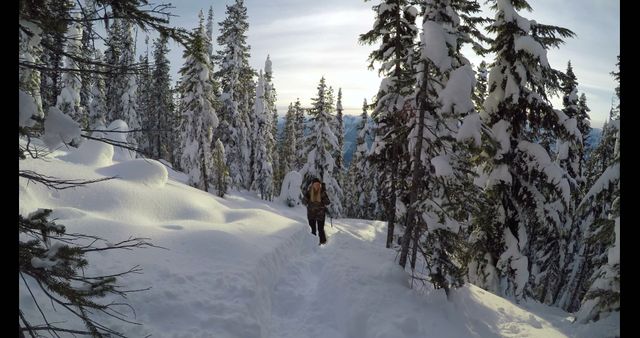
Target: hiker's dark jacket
[(316, 210)]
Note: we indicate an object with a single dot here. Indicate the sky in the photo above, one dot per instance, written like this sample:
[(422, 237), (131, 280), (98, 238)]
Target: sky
[(308, 39)]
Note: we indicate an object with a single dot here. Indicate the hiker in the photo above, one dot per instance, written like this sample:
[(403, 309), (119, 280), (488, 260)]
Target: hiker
[(316, 200)]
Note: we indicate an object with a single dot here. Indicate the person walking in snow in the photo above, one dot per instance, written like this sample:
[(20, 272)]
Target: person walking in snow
[(316, 200)]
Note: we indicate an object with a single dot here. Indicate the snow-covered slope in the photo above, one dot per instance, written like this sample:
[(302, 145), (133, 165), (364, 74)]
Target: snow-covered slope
[(242, 267)]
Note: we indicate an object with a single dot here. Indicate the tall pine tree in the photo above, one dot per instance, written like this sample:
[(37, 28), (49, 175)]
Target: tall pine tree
[(359, 201), (199, 117), (530, 193), (69, 99), (236, 84), (321, 144), (263, 169), (161, 103), (339, 130), (396, 30), (299, 129)]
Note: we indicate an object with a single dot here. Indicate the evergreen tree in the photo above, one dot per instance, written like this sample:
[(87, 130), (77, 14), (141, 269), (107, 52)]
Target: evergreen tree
[(530, 193), (144, 95), (615, 112), (199, 116), (321, 144), (442, 194), (52, 40), (69, 99), (161, 104), (270, 100), (210, 32), (289, 142), (115, 80), (340, 172), (263, 170), (395, 28), (29, 79), (593, 285), (220, 169), (571, 151), (480, 92), (570, 157), (602, 240), (87, 51), (299, 130), (129, 99), (98, 104), (360, 199), (237, 86)]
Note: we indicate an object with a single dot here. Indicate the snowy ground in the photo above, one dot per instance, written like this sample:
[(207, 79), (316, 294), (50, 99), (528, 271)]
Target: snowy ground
[(242, 267)]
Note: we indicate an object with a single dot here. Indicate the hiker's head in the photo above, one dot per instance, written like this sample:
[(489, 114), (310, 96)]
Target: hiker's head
[(316, 183)]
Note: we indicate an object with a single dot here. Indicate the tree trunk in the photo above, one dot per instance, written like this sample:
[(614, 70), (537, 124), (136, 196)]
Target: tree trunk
[(391, 212), (414, 249), (417, 174)]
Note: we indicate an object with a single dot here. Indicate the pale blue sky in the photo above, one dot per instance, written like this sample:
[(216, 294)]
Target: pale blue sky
[(308, 39)]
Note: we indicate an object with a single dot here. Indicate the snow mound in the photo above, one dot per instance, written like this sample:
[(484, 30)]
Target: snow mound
[(27, 109), (145, 171), (91, 153), (290, 192), (60, 128), (119, 130)]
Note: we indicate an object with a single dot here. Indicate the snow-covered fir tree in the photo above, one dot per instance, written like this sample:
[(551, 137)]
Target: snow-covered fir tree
[(571, 157), (144, 95), (69, 99), (98, 102), (121, 82), (270, 100), (588, 245), (216, 81), (115, 79), (289, 142), (359, 202), (593, 283), (571, 148), (263, 169), (299, 127), (199, 117), (129, 98), (395, 28), (87, 51), (163, 126), (529, 192), (602, 239), (442, 195), (210, 33), (339, 131), (321, 144), (30, 52), (221, 177), (236, 85), (480, 91), (53, 41)]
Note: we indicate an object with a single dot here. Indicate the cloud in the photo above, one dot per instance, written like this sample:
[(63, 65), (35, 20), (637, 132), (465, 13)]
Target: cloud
[(308, 39), (317, 23)]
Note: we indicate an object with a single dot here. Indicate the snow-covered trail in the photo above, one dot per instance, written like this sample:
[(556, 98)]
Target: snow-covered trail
[(352, 288), (308, 300)]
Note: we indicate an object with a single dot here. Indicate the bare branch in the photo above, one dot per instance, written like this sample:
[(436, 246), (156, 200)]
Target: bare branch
[(56, 183)]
